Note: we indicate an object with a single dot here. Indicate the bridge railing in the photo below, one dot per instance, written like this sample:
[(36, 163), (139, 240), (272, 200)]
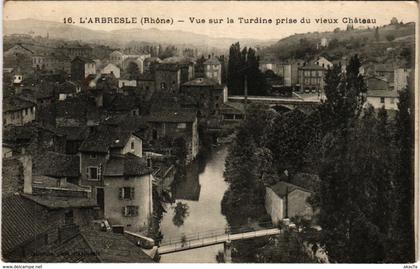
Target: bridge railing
[(214, 233)]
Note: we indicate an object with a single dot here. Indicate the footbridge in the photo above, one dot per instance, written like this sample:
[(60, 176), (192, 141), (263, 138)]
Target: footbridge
[(211, 237)]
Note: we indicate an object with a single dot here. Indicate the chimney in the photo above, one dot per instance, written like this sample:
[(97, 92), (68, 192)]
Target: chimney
[(26, 161)]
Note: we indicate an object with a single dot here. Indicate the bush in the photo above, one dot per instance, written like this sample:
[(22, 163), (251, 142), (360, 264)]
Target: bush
[(390, 37)]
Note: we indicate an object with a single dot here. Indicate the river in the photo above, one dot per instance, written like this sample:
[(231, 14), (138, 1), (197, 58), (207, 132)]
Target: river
[(197, 208)]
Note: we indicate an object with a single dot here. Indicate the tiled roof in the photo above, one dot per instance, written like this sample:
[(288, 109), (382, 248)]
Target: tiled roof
[(312, 66), (67, 87), (202, 82), (283, 188), (15, 103), (56, 202), (50, 182), (126, 165), (104, 137), (382, 93), (114, 248), (90, 245), (21, 222), (72, 250), (213, 61), (71, 108), (171, 116), (56, 165), (73, 133)]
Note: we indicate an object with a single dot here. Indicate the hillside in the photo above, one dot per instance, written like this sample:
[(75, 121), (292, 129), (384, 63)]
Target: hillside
[(365, 42), (121, 37)]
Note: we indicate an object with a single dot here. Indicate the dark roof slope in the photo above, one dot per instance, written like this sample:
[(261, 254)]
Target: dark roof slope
[(126, 165), (15, 103), (312, 66), (21, 222), (283, 188), (91, 245), (114, 248), (105, 137), (56, 202), (171, 116), (55, 164)]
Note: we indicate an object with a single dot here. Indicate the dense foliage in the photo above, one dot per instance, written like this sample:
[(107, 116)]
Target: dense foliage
[(364, 158), (243, 67)]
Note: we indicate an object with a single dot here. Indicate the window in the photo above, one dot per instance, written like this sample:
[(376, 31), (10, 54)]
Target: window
[(93, 156), (92, 173), (162, 85), (126, 193), (132, 144), (130, 211), (392, 100), (182, 125), (382, 100)]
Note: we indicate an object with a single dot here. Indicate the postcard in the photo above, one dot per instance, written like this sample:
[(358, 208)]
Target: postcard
[(210, 132)]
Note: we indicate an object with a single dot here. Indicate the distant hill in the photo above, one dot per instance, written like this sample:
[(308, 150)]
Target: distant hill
[(341, 43), (120, 37)]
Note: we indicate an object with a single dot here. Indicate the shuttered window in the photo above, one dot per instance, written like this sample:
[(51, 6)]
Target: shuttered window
[(126, 193)]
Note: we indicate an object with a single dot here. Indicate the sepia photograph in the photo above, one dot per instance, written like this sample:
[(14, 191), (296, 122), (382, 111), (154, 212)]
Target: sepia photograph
[(209, 132)]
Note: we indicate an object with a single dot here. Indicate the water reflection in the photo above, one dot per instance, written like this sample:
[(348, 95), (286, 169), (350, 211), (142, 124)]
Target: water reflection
[(180, 213), (188, 187), (201, 190)]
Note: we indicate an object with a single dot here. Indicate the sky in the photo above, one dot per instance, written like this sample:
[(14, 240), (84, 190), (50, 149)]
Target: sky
[(57, 11)]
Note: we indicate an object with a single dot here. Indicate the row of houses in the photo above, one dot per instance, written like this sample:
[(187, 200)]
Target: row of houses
[(383, 81)]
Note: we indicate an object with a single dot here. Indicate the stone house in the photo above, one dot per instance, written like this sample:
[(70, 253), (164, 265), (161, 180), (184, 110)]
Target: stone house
[(285, 200), (383, 98), (213, 69), (18, 111), (323, 62), (128, 192), (95, 151), (375, 83), (208, 94), (168, 78), (175, 124), (35, 207), (311, 78), (68, 89), (82, 67)]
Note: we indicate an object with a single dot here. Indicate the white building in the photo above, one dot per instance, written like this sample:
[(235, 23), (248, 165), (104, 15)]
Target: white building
[(285, 200), (401, 78), (323, 62), (111, 69), (383, 98), (213, 69)]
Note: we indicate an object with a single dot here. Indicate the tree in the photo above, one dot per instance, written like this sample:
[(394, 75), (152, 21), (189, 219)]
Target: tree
[(404, 224), (244, 63), (390, 37), (133, 70), (377, 34)]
